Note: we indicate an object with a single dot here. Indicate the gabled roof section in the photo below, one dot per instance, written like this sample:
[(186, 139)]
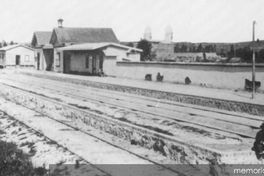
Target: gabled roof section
[(41, 38), (9, 47), (82, 35)]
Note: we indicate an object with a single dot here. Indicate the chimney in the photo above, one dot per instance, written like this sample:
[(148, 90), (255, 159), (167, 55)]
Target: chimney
[(60, 21)]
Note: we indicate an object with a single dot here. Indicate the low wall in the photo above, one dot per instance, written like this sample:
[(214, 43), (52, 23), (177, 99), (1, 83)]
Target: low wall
[(229, 76)]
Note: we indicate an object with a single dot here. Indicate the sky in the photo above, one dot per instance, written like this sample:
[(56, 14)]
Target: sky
[(190, 20)]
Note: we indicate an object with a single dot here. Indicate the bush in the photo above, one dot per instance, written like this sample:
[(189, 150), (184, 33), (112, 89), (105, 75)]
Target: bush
[(13, 162)]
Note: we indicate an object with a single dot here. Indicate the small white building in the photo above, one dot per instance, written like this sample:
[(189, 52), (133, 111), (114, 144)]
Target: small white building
[(17, 55)]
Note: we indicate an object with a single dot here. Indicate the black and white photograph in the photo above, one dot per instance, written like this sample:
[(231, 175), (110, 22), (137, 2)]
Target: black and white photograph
[(131, 87)]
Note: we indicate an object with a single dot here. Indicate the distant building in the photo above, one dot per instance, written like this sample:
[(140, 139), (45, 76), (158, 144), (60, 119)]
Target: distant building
[(17, 55)]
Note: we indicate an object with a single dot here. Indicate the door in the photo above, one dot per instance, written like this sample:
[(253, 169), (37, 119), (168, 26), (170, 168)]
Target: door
[(38, 60), (66, 62), (94, 70), (17, 59)]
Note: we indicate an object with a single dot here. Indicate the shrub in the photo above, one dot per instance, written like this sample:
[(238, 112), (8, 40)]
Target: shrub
[(13, 162)]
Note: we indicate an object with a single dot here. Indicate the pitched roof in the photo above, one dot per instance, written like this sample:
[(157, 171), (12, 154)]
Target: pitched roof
[(82, 35), (9, 47), (94, 46), (41, 38)]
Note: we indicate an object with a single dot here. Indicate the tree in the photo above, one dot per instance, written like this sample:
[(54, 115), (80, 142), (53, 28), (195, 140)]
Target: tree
[(231, 52), (200, 48), (4, 43), (183, 48), (244, 53), (146, 47), (1, 45), (260, 56), (193, 49), (209, 48), (214, 48), (176, 48), (11, 43)]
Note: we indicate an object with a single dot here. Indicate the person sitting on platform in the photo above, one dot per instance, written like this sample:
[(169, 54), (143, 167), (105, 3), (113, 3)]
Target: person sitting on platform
[(258, 146), (101, 73), (159, 77)]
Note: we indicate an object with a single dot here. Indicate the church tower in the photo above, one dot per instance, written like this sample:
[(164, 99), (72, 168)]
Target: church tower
[(147, 34), (168, 35)]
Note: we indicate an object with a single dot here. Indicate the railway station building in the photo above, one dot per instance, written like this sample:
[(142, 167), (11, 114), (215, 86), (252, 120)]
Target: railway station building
[(84, 51), (92, 58)]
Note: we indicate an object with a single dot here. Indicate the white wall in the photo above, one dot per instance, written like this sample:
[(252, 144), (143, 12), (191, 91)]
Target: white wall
[(109, 65), (10, 58), (213, 75), (135, 57), (121, 54), (113, 51)]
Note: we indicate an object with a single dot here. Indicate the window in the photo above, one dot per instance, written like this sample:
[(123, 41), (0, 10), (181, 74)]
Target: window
[(2, 55), (87, 61), (58, 60), (26, 58)]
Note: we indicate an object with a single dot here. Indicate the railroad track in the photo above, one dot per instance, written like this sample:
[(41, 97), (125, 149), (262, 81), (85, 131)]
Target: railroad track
[(132, 104), (138, 98), (39, 133), (107, 123), (92, 95), (171, 170), (229, 105)]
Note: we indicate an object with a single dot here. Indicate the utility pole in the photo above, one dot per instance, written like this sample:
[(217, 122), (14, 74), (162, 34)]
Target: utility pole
[(234, 50), (253, 61)]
